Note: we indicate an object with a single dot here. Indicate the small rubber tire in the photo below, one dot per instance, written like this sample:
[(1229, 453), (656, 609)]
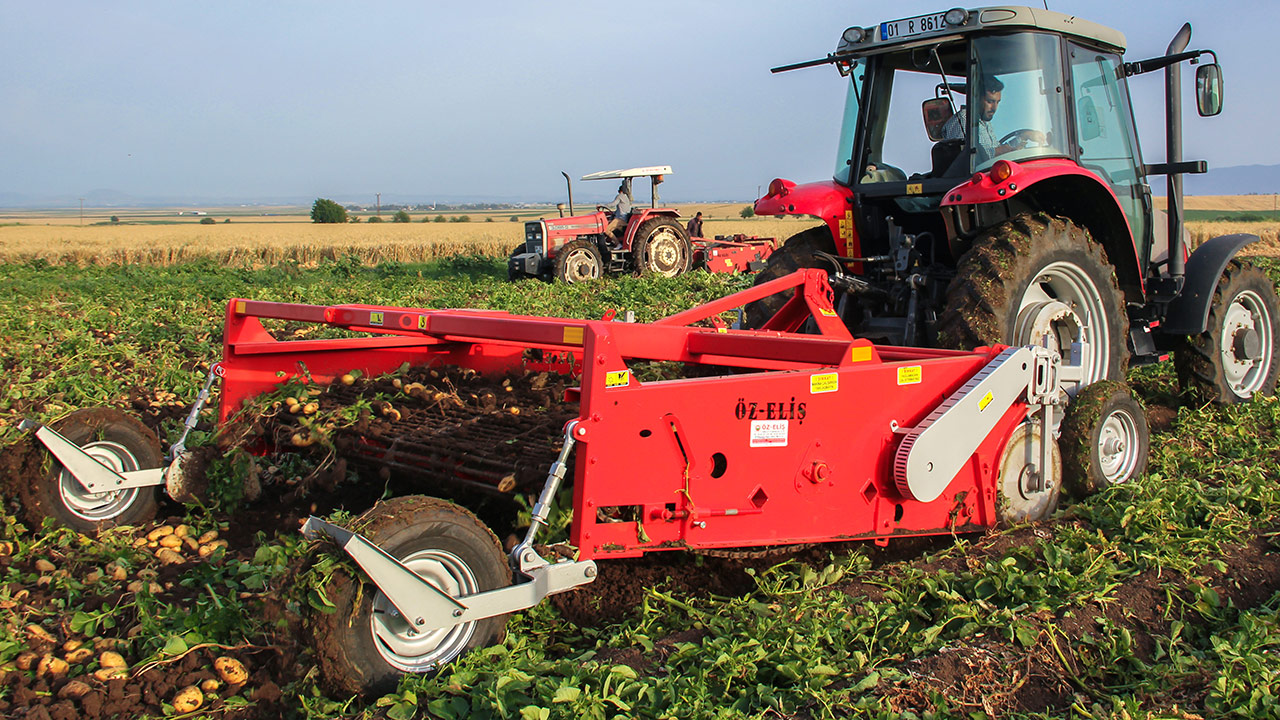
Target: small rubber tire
[(1015, 502), (114, 438), (578, 261), (1204, 370), (351, 656), (1105, 440), (798, 252), (662, 247)]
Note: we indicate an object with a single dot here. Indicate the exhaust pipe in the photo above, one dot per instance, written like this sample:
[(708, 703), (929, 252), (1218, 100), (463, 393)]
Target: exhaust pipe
[(1173, 151), (568, 183)]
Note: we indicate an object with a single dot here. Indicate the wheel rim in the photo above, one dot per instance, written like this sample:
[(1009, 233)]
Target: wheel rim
[(1118, 447), (417, 652), (1246, 344), (1064, 306), (664, 253), (96, 507), (1020, 501), (581, 265)]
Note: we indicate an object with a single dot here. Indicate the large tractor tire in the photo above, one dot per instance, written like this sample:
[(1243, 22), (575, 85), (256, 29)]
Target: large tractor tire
[(1104, 439), (1235, 358), (661, 247), (1038, 277), (798, 252), (364, 646), (579, 261), (113, 438)]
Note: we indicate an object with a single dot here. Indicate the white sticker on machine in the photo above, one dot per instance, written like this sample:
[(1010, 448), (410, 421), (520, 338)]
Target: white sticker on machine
[(769, 433)]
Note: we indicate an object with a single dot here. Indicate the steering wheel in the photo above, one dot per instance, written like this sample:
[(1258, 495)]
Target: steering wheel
[(1026, 134)]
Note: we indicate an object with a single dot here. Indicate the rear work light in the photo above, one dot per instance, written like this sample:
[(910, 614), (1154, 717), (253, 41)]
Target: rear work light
[(777, 187), (1001, 171)]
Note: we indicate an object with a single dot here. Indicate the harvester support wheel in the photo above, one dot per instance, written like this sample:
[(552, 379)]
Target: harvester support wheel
[(1104, 438), (364, 646), (1026, 492), (1036, 278), (798, 252), (113, 438), (578, 261), (1235, 358), (662, 247)]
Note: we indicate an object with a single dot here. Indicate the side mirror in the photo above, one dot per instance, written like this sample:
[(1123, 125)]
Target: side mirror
[(1209, 90), (936, 111)]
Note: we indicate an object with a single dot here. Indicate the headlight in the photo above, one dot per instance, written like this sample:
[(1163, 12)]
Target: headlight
[(854, 35), (956, 16)]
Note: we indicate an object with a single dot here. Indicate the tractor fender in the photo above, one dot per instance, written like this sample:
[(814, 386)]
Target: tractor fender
[(637, 219), (828, 200), (1189, 312)]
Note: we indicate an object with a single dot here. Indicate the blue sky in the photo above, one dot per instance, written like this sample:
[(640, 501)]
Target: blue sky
[(423, 100)]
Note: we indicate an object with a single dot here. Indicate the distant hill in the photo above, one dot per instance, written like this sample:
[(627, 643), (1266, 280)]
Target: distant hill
[(1235, 180)]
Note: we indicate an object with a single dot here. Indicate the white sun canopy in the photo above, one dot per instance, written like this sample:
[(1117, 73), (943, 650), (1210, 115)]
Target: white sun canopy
[(633, 172)]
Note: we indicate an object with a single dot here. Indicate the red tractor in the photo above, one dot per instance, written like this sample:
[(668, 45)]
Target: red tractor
[(1020, 212), (653, 242)]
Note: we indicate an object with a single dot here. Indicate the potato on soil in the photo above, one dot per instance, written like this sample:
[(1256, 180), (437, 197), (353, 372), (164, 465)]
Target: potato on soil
[(26, 660), (117, 572), (188, 699), (208, 537), (75, 657), (45, 566), (347, 379), (182, 531), (231, 670), (170, 557), (210, 685), (112, 659), (40, 633), (51, 666), (155, 535), (171, 542)]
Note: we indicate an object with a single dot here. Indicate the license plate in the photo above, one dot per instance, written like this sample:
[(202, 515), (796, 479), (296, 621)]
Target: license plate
[(912, 26)]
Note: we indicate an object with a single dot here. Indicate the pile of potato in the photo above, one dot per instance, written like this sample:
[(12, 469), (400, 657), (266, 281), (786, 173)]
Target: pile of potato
[(169, 543)]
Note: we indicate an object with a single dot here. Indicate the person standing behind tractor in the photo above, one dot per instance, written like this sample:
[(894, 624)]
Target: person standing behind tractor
[(695, 226), (621, 205), (984, 137)]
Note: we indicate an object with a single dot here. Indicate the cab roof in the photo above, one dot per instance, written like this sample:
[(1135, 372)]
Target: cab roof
[(629, 173), (881, 37)]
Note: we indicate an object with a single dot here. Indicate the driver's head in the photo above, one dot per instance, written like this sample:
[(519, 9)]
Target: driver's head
[(989, 100)]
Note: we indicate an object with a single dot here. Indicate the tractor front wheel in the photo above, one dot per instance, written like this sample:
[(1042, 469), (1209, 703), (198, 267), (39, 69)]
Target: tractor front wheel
[(1235, 358), (662, 247), (364, 646), (1104, 439), (798, 252), (1039, 278), (113, 438), (578, 261)]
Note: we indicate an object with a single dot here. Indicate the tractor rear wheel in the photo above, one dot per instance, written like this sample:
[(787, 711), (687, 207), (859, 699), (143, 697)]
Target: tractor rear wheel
[(578, 261), (661, 247), (1104, 439), (798, 252), (1035, 278), (113, 438), (1235, 358), (1026, 493), (364, 646)]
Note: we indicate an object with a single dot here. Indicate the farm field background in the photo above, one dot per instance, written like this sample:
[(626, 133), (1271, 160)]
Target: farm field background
[(1156, 599)]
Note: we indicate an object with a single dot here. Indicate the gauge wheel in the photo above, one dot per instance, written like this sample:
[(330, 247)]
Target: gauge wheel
[(364, 646), (113, 438), (662, 248), (798, 252), (1105, 439), (578, 261), (1026, 494), (1037, 279), (1235, 358)]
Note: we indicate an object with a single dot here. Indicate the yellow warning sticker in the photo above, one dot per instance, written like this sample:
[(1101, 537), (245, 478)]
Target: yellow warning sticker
[(827, 313), (239, 307), (914, 188), (985, 401), (824, 383), (422, 322), (617, 378), (375, 318), (728, 262), (860, 353), (909, 375), (573, 336)]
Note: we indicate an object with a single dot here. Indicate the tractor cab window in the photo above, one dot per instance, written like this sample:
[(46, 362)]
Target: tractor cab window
[(897, 147), (849, 127), (1015, 107)]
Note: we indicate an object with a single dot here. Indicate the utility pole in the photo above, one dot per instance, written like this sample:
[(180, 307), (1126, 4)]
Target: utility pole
[(379, 204), (82, 211)]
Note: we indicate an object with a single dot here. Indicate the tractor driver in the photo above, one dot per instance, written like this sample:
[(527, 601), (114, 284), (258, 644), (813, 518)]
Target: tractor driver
[(984, 136), (621, 207)]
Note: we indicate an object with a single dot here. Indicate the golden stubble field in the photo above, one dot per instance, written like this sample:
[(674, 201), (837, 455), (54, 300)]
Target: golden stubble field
[(155, 236)]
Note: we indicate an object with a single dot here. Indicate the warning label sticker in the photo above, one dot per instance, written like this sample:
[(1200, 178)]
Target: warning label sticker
[(828, 313), (769, 433), (909, 375), (618, 378), (375, 318), (824, 383)]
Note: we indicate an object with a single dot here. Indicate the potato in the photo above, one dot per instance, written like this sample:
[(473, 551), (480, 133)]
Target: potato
[(159, 532), (93, 576), (117, 572), (40, 633), (70, 645), (45, 566), (291, 400), (6, 548), (51, 666), (112, 659), (311, 408), (171, 542), (208, 537), (134, 586), (210, 685), (26, 660), (191, 543), (188, 699), (231, 670), (347, 379), (79, 655), (169, 557), (110, 673), (182, 531), (74, 690)]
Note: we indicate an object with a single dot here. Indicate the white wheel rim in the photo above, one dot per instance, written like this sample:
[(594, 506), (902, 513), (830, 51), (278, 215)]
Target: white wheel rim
[(581, 265), (97, 507), (1063, 304), (1246, 314), (665, 252), (1118, 447), (403, 647)]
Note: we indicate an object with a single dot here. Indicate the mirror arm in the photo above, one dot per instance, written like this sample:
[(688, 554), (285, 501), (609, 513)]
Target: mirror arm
[(1146, 66)]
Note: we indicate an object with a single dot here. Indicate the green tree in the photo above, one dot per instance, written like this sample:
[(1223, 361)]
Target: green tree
[(748, 212), (374, 218), (401, 217), (325, 210), (439, 218), (208, 221)]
